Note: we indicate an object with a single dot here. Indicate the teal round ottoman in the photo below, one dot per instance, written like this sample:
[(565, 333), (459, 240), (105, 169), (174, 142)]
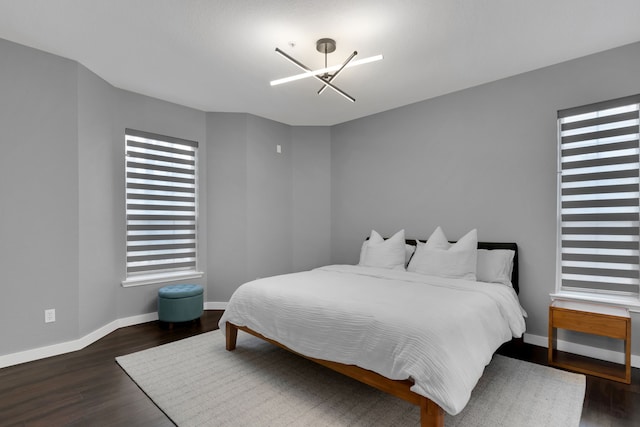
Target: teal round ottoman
[(180, 303)]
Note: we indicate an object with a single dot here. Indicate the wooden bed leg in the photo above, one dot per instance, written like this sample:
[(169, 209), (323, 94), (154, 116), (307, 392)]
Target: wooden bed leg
[(232, 336), (431, 415)]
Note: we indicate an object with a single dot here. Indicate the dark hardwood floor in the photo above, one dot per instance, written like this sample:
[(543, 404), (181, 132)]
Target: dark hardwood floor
[(88, 388), (606, 403)]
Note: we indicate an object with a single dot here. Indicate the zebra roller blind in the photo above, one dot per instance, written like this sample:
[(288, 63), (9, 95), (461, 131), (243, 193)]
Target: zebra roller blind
[(600, 197), (161, 203)]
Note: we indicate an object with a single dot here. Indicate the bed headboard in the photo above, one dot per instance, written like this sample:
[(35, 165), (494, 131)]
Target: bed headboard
[(495, 245)]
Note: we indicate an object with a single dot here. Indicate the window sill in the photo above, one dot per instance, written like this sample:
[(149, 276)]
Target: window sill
[(630, 302), (151, 279)]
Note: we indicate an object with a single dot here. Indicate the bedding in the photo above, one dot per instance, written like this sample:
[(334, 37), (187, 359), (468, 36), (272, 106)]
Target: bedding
[(439, 257), (402, 325), (409, 250), (389, 253), (495, 266)]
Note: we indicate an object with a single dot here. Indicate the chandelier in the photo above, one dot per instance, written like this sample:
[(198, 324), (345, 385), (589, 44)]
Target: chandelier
[(326, 75)]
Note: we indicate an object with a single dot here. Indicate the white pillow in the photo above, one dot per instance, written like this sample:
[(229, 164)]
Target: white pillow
[(390, 253), (438, 257), (375, 237), (438, 240), (495, 266)]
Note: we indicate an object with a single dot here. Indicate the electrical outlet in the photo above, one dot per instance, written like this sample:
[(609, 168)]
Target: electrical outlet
[(50, 315)]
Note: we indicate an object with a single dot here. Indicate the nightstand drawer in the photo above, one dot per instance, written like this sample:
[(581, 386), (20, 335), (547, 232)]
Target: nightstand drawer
[(590, 323)]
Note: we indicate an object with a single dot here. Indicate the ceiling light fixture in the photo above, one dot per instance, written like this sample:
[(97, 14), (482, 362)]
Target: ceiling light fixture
[(324, 75)]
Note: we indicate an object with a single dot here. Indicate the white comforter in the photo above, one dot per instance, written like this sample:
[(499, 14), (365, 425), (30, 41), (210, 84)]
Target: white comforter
[(439, 332)]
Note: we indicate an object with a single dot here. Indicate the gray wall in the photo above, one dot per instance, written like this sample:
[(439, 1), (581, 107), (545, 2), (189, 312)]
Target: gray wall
[(311, 197), (268, 192), (268, 211), (103, 114), (38, 198), (62, 211), (227, 203), (480, 158), (100, 196), (62, 220)]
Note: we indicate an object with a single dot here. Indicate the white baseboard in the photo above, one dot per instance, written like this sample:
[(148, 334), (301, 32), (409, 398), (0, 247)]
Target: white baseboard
[(80, 343), (215, 305), (75, 345), (583, 350)]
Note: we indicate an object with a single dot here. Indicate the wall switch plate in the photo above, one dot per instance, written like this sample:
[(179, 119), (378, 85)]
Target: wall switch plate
[(50, 315), (278, 148)]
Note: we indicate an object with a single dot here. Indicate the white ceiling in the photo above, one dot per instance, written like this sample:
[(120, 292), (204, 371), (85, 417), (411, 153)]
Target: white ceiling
[(217, 55)]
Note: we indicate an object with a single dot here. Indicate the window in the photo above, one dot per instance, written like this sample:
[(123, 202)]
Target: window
[(599, 201), (161, 189)]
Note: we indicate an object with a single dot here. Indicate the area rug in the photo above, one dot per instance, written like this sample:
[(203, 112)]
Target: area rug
[(196, 382)]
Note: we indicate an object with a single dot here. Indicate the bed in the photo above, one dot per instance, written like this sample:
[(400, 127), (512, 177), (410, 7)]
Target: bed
[(423, 338)]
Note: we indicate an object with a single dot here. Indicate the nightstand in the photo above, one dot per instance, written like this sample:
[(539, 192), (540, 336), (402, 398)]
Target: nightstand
[(608, 321)]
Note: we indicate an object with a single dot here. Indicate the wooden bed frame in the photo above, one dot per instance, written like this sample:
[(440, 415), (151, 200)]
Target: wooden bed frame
[(431, 414)]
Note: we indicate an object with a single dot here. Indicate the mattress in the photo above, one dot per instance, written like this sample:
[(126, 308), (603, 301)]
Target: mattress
[(438, 332)]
